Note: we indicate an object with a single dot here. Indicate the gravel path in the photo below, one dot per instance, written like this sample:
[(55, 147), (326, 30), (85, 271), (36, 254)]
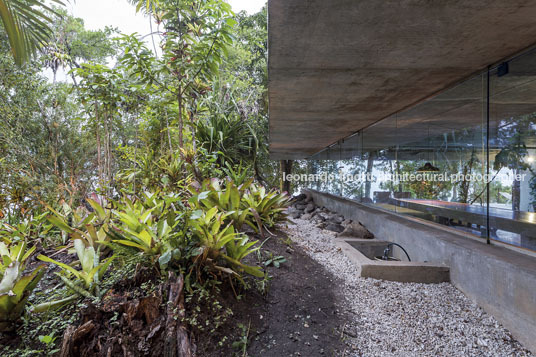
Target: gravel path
[(405, 319)]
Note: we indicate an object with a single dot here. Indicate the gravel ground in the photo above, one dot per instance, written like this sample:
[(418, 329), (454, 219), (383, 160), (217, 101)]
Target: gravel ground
[(405, 319)]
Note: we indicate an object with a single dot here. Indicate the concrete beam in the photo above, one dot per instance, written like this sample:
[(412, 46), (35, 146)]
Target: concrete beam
[(338, 66)]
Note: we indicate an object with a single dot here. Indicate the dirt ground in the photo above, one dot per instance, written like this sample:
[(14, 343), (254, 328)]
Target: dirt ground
[(300, 316), (297, 315)]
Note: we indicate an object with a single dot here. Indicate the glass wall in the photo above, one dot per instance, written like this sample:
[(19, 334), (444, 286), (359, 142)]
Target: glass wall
[(465, 158)]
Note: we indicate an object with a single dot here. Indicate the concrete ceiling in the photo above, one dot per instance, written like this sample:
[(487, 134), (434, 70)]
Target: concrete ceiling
[(338, 66)]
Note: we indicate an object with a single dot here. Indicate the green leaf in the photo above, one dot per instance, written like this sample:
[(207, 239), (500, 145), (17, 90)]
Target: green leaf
[(60, 264), (60, 223), (11, 275), (98, 208)]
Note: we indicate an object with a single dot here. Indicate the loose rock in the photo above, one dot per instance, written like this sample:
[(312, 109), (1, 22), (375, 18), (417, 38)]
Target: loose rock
[(356, 230), (309, 208), (335, 227)]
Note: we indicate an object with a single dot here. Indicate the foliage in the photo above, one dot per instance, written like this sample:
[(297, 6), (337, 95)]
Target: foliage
[(108, 161), (239, 174), (11, 253), (90, 227), (152, 225), (228, 199), (214, 235), (276, 261), (269, 206), (25, 230), (15, 289), (71, 44), (151, 173), (84, 282), (27, 25), (229, 136)]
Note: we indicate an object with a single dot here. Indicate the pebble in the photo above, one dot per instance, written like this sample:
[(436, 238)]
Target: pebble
[(405, 319)]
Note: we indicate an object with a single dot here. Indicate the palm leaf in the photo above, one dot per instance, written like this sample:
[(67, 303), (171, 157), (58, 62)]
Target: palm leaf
[(26, 25)]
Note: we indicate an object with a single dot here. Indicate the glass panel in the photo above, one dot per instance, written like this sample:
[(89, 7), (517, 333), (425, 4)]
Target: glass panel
[(513, 151), (441, 158), (431, 161), (379, 144)]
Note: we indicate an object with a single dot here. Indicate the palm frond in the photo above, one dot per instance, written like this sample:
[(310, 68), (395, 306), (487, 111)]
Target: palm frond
[(148, 7), (27, 25)]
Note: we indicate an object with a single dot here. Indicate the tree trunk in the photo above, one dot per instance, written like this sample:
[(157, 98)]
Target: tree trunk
[(109, 148), (169, 134), (177, 341), (465, 184), (370, 166), (106, 151), (97, 132), (181, 124), (516, 193), (286, 169)]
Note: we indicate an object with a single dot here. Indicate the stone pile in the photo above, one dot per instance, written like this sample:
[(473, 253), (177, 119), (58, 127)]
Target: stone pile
[(305, 208)]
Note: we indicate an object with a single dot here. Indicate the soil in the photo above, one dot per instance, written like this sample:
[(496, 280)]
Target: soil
[(300, 316), (296, 315)]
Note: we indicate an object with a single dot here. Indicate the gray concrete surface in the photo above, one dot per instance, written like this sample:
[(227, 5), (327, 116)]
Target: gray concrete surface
[(338, 66), (362, 252), (500, 280)]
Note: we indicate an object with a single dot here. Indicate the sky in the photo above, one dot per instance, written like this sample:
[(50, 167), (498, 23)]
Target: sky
[(119, 13)]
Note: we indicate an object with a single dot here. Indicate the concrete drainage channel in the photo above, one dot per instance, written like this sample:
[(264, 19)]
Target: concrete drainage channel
[(370, 257), (375, 258)]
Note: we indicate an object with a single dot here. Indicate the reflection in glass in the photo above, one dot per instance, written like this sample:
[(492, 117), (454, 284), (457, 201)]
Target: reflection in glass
[(430, 161)]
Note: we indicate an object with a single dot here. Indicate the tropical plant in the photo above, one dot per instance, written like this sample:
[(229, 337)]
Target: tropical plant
[(15, 290), (197, 34), (84, 282), (25, 230), (240, 247), (149, 171), (276, 261), (151, 225), (228, 135), (13, 253), (79, 223), (268, 207), (228, 199), (214, 235), (239, 174), (27, 25)]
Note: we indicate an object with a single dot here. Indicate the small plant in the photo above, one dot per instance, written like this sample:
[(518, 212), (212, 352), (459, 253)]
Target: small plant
[(275, 261), (287, 241), (210, 229), (263, 285), (48, 341), (268, 207), (242, 343), (83, 282)]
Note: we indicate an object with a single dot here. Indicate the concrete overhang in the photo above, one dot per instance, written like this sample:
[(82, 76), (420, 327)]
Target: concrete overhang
[(338, 66)]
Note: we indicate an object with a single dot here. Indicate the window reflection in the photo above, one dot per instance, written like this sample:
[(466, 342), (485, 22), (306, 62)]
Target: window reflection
[(444, 140)]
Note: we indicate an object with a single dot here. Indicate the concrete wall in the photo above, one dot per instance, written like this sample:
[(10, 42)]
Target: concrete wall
[(500, 280)]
